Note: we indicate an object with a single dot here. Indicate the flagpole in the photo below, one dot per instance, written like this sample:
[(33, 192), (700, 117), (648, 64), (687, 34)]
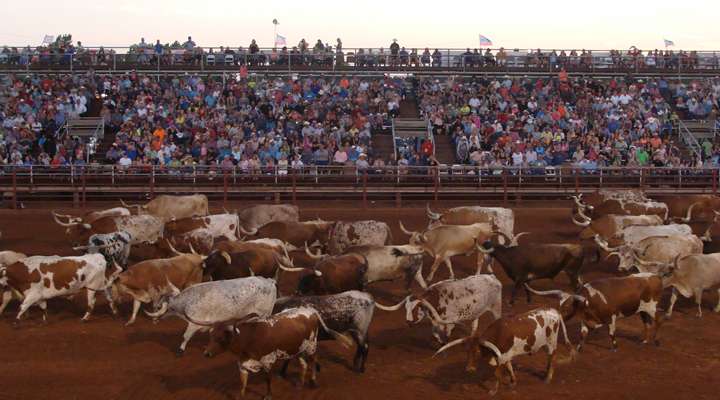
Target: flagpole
[(275, 24)]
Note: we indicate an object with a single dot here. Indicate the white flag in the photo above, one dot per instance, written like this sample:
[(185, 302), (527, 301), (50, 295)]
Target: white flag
[(280, 40), (485, 41), (668, 43), (48, 39)]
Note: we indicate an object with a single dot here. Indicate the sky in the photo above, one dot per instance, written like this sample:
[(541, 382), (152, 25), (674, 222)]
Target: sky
[(602, 24)]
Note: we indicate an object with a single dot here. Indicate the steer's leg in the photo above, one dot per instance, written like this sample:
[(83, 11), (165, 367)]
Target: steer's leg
[(28, 302), (550, 367), (498, 378), (474, 326), (6, 297), (513, 379), (434, 267), (243, 380), (189, 333), (611, 330), (673, 299), (303, 370), (717, 308), (698, 301), (43, 307), (268, 385), (314, 367), (448, 263), (90, 304), (583, 335), (111, 302), (136, 308)]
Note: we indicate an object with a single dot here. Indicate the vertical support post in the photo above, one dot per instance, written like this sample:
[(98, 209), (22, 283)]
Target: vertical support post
[(294, 188), (225, 188), (14, 183), (577, 183), (364, 193), (83, 199), (152, 182), (277, 197), (398, 199), (505, 192), (437, 184), (715, 181)]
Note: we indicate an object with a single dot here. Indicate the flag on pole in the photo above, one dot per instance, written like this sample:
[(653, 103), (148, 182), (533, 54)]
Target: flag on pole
[(484, 41), (668, 43), (280, 40), (48, 39)]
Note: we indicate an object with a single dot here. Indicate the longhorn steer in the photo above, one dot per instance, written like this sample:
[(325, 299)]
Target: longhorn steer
[(142, 228), (590, 201), (511, 336), (93, 216), (348, 312), (657, 249), (608, 226), (40, 278), (679, 206), (705, 221), (344, 235), (295, 233), (167, 207), (691, 275), (218, 225), (209, 303), (387, 263), (528, 262), (446, 241), (632, 235), (258, 344), (603, 301), (450, 302), (335, 274), (503, 218), (259, 261), (149, 280), (115, 247), (256, 216)]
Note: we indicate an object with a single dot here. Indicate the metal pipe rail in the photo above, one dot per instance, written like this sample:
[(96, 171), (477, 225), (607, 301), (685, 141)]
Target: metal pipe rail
[(39, 182), (353, 60)]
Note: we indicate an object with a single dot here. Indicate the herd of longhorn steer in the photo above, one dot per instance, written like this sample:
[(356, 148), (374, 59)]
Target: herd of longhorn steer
[(172, 254)]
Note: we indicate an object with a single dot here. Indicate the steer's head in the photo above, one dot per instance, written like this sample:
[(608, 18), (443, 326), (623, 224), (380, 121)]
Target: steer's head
[(77, 232), (570, 304), (417, 238), (220, 338), (627, 256)]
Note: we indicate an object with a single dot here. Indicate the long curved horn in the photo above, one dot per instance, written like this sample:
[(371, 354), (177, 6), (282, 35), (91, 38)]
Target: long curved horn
[(192, 250), (405, 231), (173, 249), (518, 236), (247, 233), (577, 202), (129, 206), (688, 216), (452, 344), (317, 256), (492, 348), (584, 224), (483, 250), (430, 214), (613, 253), (159, 313), (66, 224), (433, 313), (603, 244), (226, 256), (393, 308), (557, 293), (583, 216)]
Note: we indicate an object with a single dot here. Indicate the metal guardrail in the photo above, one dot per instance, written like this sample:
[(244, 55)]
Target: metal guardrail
[(351, 59), (689, 139)]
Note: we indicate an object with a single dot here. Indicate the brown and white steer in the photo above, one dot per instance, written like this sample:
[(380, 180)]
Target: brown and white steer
[(603, 301), (705, 204), (503, 218), (219, 225), (590, 201), (150, 280), (632, 235), (8, 257), (38, 279), (260, 261), (690, 276), (446, 241), (346, 234), (254, 217), (295, 233), (451, 302), (610, 225), (626, 207), (167, 207), (258, 344), (93, 216), (142, 228), (512, 336)]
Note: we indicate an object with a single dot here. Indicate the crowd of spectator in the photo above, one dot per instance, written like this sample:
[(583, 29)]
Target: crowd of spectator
[(258, 124), (324, 55), (254, 124), (561, 121)]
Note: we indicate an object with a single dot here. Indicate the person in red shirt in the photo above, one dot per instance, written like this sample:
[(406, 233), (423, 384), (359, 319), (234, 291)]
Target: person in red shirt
[(427, 148)]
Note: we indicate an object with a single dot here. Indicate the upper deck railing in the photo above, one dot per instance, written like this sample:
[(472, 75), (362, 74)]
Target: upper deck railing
[(360, 60)]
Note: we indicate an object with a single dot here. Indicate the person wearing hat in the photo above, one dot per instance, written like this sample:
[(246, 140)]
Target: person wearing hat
[(362, 162)]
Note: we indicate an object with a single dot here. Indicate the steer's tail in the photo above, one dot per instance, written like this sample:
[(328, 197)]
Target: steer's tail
[(573, 351), (343, 339)]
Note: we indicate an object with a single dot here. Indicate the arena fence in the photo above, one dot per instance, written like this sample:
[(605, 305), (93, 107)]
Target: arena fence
[(80, 183), (359, 60)]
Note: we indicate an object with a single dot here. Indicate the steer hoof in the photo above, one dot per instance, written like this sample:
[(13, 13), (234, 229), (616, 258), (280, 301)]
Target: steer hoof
[(179, 352)]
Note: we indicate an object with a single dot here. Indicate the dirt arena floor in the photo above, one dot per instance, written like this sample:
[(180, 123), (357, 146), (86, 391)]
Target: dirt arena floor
[(102, 359)]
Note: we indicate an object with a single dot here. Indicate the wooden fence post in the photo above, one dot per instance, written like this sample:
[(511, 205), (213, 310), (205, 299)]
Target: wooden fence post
[(14, 193)]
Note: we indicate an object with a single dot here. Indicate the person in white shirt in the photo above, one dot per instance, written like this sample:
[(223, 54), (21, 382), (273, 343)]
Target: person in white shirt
[(125, 161), (517, 158)]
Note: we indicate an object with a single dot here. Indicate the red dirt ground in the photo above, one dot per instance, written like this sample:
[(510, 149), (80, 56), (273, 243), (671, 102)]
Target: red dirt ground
[(67, 359)]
